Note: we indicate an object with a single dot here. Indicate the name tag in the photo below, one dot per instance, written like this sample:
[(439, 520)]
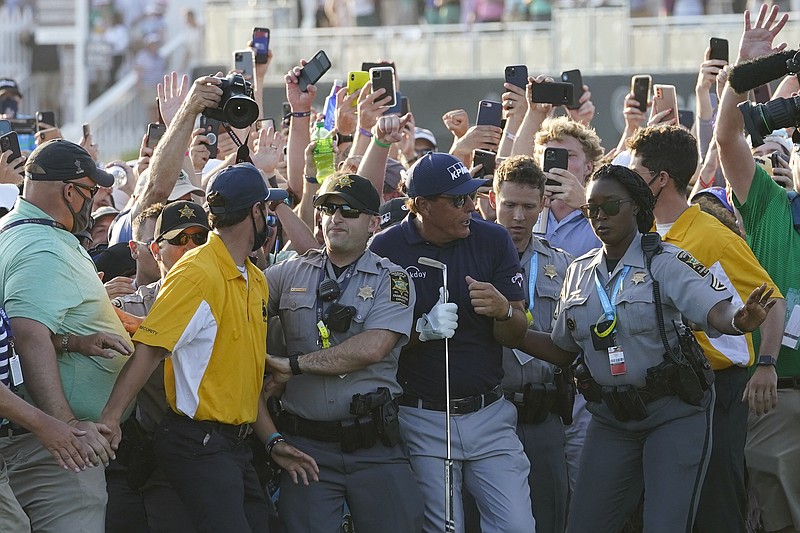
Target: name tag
[(616, 359), (16, 369), (791, 334)]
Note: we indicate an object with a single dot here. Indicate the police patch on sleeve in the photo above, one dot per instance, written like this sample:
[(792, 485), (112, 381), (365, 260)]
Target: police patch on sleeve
[(689, 260), (398, 292)]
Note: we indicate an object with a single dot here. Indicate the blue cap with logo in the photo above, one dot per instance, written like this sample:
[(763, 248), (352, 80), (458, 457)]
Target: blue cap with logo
[(239, 187), (440, 173)]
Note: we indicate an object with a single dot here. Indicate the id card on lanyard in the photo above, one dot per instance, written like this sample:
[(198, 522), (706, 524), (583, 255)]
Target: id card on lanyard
[(13, 359), (605, 330)]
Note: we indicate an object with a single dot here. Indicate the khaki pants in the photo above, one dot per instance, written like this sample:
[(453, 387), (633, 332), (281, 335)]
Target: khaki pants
[(56, 500), (12, 517)]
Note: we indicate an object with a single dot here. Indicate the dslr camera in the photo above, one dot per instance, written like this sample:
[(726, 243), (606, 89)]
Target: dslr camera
[(236, 107)]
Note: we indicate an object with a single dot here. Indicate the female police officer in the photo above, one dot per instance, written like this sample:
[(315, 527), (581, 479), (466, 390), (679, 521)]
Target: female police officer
[(651, 417)]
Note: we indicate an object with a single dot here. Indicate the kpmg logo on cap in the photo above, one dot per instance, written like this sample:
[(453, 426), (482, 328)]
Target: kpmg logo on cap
[(457, 170)]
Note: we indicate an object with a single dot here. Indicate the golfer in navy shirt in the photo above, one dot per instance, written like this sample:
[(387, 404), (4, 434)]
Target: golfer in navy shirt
[(483, 312)]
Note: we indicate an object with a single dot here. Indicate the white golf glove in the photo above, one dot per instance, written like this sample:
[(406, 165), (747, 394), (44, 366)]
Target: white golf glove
[(438, 323)]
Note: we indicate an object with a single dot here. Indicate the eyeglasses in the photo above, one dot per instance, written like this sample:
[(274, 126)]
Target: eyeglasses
[(460, 200), (344, 209), (182, 239), (92, 189), (610, 208)]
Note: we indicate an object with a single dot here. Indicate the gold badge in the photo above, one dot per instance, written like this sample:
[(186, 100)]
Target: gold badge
[(638, 277), (344, 181), (550, 271), (366, 292), (186, 212)]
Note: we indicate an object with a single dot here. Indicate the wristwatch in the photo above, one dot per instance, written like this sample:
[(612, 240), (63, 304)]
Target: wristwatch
[(294, 365), (766, 360)]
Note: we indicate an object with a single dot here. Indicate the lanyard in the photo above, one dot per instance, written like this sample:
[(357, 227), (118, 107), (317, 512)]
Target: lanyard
[(7, 324), (609, 308), (41, 221), (532, 273)]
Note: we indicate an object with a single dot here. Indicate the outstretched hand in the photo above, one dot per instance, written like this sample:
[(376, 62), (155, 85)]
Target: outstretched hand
[(755, 309), (757, 38)]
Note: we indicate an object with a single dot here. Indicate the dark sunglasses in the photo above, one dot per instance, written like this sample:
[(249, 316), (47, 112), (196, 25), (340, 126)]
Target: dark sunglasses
[(182, 239), (460, 200), (92, 189), (346, 210), (610, 208)]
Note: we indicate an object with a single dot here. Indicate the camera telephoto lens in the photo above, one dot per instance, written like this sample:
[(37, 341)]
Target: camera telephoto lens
[(763, 119)]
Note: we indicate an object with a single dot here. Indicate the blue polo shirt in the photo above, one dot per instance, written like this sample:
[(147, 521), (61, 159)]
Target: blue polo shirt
[(573, 234), (476, 358)]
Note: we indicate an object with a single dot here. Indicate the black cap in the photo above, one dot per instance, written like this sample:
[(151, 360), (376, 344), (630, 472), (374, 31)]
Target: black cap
[(62, 160), (239, 187), (7, 84), (115, 261), (358, 192), (393, 212), (178, 216)]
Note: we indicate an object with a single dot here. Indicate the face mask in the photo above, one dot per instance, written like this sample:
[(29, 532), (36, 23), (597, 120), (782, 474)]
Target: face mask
[(9, 106), (81, 219), (262, 236)]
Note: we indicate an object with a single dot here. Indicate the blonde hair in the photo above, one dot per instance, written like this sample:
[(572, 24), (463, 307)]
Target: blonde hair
[(556, 128)]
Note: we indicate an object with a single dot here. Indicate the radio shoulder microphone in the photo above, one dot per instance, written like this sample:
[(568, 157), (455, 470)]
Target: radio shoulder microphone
[(762, 70)]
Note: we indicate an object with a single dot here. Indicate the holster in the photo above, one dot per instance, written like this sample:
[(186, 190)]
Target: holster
[(538, 400), (625, 402), (693, 353), (565, 394), (586, 384)]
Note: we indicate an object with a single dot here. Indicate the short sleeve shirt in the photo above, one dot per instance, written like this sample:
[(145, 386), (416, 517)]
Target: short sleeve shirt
[(215, 324), (544, 268), (383, 298), (487, 254), (46, 276), (687, 288)]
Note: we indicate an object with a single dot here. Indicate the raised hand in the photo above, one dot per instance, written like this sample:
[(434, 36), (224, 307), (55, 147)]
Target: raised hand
[(757, 38)]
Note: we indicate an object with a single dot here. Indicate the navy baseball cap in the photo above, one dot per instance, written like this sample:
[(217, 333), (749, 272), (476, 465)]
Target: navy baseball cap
[(717, 192), (239, 187), (63, 160), (440, 173)]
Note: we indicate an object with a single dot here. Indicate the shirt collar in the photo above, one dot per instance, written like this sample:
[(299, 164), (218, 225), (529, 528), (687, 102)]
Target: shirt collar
[(633, 256), (684, 222), (365, 263), (220, 251)]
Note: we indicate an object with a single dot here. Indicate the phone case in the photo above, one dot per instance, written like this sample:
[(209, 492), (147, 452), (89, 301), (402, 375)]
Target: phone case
[(719, 48), (686, 118), (46, 117), (640, 88), (154, 133), (557, 93), (212, 134), (5, 126), (314, 70), (356, 79), (555, 158), (576, 79), (490, 113), (261, 44), (383, 78), (243, 62), (10, 141), (517, 75), (487, 159), (664, 97)]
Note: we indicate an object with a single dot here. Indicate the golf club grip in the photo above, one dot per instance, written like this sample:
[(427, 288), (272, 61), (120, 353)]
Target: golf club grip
[(449, 522)]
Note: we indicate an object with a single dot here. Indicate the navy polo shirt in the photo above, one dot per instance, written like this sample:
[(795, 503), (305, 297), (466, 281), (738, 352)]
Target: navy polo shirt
[(476, 358)]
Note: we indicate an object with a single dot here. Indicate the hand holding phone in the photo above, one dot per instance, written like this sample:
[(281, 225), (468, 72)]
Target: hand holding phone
[(490, 113), (554, 158), (555, 93), (640, 88), (210, 129), (243, 62), (574, 77), (10, 143), (665, 98), (155, 131), (719, 49), (313, 70), (383, 78), (517, 75)]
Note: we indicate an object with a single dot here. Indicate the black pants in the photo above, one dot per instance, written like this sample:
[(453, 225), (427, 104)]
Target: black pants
[(723, 500), (211, 470)]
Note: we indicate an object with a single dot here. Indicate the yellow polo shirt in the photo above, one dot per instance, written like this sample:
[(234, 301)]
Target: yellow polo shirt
[(215, 324), (732, 262)]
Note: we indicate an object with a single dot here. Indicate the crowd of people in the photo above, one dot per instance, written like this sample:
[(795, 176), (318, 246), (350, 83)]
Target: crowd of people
[(221, 336)]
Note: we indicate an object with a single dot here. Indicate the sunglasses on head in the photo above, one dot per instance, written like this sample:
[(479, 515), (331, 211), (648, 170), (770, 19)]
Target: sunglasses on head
[(92, 189), (344, 209), (182, 239), (460, 200), (610, 208)]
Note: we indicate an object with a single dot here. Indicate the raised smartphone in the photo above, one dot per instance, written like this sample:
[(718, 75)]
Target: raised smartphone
[(314, 70), (487, 159), (554, 158), (155, 131), (210, 127), (243, 62), (261, 44), (10, 142), (574, 77), (719, 48), (665, 97), (383, 78), (46, 118), (517, 75), (640, 88), (556, 93), (490, 113)]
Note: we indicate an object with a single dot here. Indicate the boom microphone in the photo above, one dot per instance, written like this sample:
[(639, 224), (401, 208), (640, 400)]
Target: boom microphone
[(762, 70)]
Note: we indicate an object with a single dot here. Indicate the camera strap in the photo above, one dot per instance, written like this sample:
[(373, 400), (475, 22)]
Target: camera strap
[(242, 150)]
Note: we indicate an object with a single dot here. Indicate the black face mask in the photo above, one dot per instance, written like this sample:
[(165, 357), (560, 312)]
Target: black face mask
[(81, 219), (9, 106), (260, 237)]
